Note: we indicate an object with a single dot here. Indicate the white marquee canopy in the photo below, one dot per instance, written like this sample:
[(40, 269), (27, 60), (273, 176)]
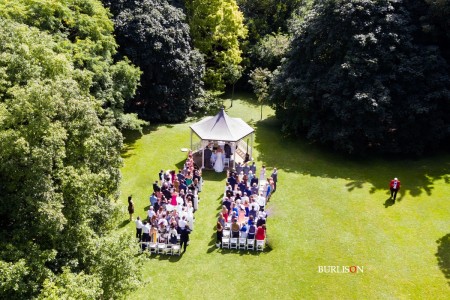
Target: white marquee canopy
[(223, 128)]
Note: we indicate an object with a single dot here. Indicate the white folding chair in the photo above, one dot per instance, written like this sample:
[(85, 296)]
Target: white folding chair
[(226, 162), (176, 249), (226, 242), (153, 247), (233, 243), (161, 248), (226, 233), (143, 246), (250, 244), (242, 243), (260, 245), (168, 249)]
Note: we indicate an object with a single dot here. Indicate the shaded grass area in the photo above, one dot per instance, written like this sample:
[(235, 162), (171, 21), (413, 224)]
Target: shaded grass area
[(328, 210)]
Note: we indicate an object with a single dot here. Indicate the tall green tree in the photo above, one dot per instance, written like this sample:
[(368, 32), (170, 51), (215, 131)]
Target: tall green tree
[(59, 171), (217, 28), (260, 79), (156, 37), (359, 79), (83, 29)]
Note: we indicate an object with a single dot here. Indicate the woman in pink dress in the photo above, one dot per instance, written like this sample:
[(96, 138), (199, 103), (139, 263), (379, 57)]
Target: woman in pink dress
[(173, 201)]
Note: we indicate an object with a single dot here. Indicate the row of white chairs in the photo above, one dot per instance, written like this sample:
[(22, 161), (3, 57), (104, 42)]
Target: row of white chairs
[(161, 248), (243, 244)]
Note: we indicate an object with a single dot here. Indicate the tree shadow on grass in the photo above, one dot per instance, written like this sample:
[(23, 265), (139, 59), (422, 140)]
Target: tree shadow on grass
[(124, 223), (443, 255), (296, 155)]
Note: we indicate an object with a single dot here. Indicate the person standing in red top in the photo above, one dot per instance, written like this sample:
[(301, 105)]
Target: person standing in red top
[(394, 186)]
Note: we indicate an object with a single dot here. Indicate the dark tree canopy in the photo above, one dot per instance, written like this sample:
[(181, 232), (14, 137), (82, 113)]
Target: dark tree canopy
[(358, 79), (155, 37), (61, 98)]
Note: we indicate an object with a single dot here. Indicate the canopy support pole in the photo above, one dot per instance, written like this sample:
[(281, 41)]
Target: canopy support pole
[(234, 153), (251, 147)]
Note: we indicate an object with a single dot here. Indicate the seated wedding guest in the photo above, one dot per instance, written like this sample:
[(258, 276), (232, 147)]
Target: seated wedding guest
[(235, 229), (251, 232), (260, 222), (242, 186), (173, 198), (261, 232), (225, 213), (252, 213), (250, 175), (234, 209), (254, 181), (173, 235), (251, 220), (227, 203), (243, 230), (234, 217), (246, 207), (254, 189)]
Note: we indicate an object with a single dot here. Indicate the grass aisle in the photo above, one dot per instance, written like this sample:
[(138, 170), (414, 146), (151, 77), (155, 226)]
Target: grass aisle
[(328, 211)]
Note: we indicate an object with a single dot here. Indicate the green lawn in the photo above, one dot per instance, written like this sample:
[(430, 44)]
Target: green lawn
[(329, 210)]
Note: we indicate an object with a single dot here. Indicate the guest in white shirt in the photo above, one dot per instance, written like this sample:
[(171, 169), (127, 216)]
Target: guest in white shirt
[(139, 226)]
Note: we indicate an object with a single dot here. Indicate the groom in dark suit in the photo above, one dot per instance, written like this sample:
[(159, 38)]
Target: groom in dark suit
[(207, 157)]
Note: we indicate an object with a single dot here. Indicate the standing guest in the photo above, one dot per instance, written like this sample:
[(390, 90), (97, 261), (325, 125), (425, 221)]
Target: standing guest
[(180, 176), (153, 199), (221, 220), (253, 168), (184, 237), (139, 226), (146, 232), (238, 168), (130, 207), (173, 199), (150, 213), (176, 185), (154, 234), (232, 181), (394, 186), (219, 233), (274, 178), (161, 177), (156, 187), (262, 173), (261, 232), (183, 186), (227, 203), (246, 168)]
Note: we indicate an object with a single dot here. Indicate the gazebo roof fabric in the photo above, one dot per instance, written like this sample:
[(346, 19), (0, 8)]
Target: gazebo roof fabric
[(222, 128)]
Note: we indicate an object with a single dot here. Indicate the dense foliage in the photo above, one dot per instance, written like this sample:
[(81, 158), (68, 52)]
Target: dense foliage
[(155, 36), (365, 76), (217, 27), (61, 98)]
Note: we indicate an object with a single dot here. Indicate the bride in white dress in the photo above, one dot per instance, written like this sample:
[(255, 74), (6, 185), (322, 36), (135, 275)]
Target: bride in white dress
[(218, 165)]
